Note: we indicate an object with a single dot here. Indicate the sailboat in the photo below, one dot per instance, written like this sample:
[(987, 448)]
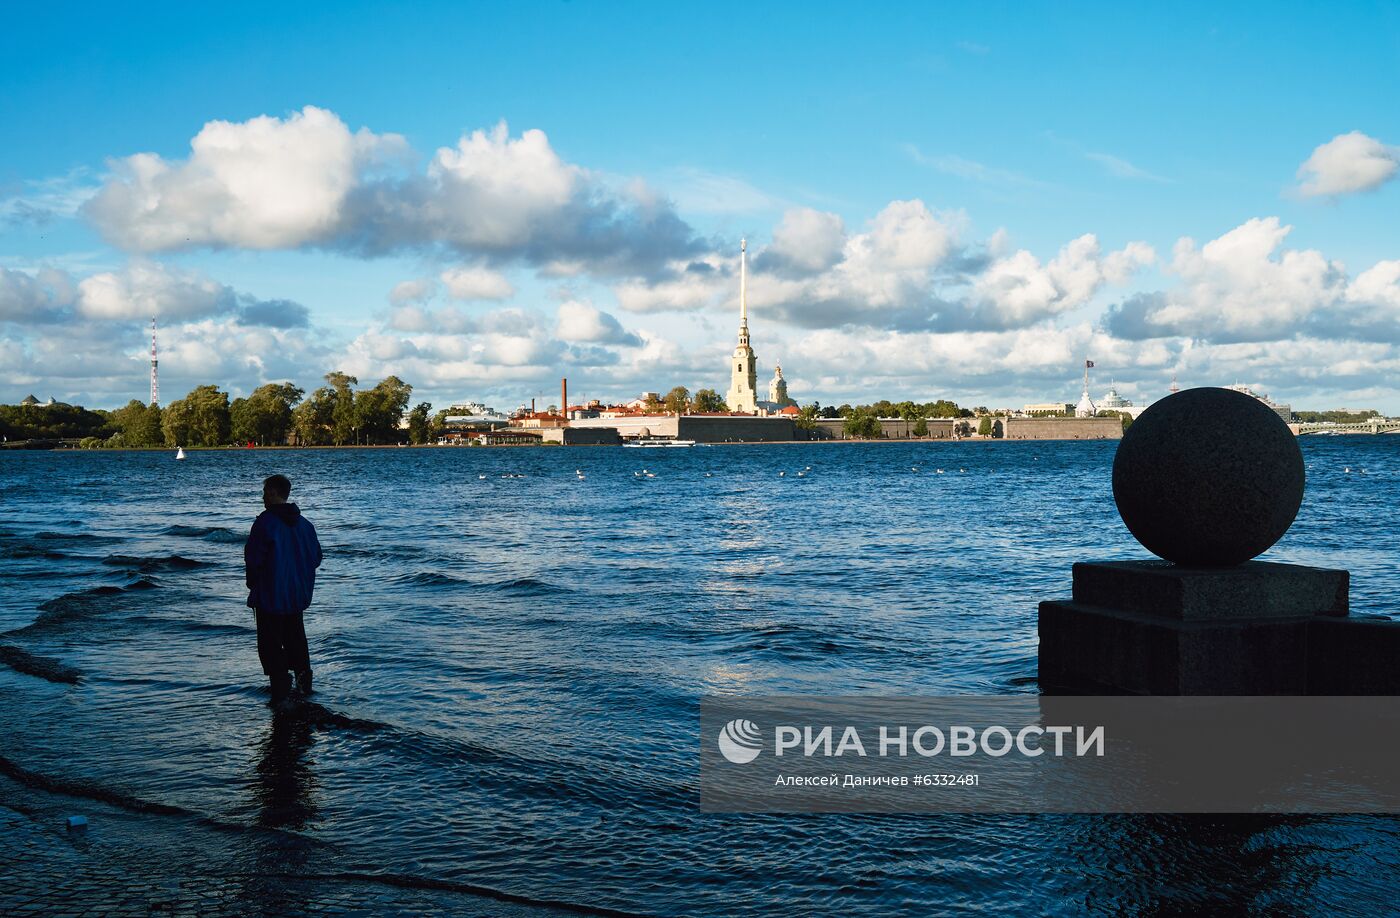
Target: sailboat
[(179, 452)]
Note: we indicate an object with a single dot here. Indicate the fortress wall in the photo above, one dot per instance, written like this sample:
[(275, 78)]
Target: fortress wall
[(938, 428), (721, 429), (1063, 428)]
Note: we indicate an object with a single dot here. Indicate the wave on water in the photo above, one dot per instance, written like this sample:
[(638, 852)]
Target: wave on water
[(528, 586), (21, 551), (519, 586), (31, 664), (431, 579), (207, 533), (77, 787), (153, 563), (82, 604), (406, 881), (76, 538)]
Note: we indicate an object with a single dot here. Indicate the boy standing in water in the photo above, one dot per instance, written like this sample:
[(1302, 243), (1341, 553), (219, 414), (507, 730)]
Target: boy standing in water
[(281, 557)]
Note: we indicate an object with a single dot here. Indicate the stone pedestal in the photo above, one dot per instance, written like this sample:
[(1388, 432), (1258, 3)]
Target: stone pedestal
[(1153, 628)]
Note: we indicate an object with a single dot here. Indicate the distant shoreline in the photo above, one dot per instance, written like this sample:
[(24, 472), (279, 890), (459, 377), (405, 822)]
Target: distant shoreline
[(552, 446)]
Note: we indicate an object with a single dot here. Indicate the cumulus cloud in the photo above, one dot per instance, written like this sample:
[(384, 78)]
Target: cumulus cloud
[(413, 291), (477, 284), (104, 364), (307, 181), (583, 322), (134, 294), (145, 288), (266, 183), (1346, 164), (35, 298), (1246, 287), (1017, 290), (805, 242), (907, 270)]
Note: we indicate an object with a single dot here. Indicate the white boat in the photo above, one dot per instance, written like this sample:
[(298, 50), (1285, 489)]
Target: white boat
[(179, 452), (657, 441)]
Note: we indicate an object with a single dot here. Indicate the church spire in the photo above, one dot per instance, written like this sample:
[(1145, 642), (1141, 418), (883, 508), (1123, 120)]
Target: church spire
[(743, 284), (743, 375)]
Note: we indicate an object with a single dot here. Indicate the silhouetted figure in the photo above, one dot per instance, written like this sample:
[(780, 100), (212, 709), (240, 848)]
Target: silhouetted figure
[(281, 557)]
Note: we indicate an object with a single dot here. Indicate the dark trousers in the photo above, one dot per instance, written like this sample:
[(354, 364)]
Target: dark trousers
[(282, 647)]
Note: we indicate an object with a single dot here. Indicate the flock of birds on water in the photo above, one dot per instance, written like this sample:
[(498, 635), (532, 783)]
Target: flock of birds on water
[(644, 474)]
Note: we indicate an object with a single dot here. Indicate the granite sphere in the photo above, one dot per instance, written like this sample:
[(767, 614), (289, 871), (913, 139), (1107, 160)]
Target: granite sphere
[(1208, 478)]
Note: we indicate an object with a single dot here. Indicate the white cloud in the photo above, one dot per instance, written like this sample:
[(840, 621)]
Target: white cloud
[(266, 183), (579, 321), (701, 192), (412, 291), (1378, 286), (137, 292), (1346, 164), (307, 181), (477, 284), (807, 241), (145, 288), (971, 170), (1238, 287), (1121, 168), (34, 298)]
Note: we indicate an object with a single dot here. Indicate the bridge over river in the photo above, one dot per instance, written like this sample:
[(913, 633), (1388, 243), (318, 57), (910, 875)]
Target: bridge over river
[(1373, 426)]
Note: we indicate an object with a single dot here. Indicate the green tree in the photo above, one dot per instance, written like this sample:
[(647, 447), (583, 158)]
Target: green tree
[(864, 425), (653, 404), (807, 420), (380, 410), (208, 419), (438, 425), (984, 426), (59, 421), (138, 426), (943, 409), (921, 427), (314, 419), (678, 400), (963, 428), (265, 417), (344, 418), (419, 423), (708, 401), (175, 423)]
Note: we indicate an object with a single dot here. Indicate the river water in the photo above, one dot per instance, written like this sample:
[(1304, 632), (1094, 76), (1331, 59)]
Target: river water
[(509, 661)]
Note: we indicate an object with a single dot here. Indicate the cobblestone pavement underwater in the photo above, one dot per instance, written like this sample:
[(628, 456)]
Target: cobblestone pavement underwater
[(143, 864)]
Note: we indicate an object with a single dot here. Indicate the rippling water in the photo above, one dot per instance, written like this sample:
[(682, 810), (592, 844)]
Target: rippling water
[(509, 668)]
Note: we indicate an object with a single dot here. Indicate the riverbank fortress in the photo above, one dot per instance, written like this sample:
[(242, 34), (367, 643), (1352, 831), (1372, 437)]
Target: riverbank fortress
[(743, 369)]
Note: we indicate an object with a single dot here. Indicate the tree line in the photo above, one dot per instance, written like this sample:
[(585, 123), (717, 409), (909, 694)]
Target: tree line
[(271, 415)]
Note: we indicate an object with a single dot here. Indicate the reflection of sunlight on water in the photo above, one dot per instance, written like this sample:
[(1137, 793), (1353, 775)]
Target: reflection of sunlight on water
[(723, 679)]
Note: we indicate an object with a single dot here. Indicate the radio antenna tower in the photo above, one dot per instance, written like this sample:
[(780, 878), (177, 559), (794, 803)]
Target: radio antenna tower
[(155, 375)]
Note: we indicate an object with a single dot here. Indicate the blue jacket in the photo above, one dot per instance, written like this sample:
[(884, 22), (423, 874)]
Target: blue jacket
[(281, 557)]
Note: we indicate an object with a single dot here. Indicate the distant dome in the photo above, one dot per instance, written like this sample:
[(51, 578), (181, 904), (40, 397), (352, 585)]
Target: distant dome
[(1085, 408), (643, 432), (1112, 399)]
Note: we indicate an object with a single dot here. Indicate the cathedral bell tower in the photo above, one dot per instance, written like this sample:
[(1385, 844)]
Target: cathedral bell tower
[(743, 371)]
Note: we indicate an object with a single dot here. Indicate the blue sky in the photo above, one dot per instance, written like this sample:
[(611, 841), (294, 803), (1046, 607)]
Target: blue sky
[(1017, 129)]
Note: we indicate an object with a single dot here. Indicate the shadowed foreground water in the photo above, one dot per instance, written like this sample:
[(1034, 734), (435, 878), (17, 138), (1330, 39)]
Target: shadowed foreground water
[(508, 668)]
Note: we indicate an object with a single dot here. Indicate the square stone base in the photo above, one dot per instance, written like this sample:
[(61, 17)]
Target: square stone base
[(1148, 627)]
